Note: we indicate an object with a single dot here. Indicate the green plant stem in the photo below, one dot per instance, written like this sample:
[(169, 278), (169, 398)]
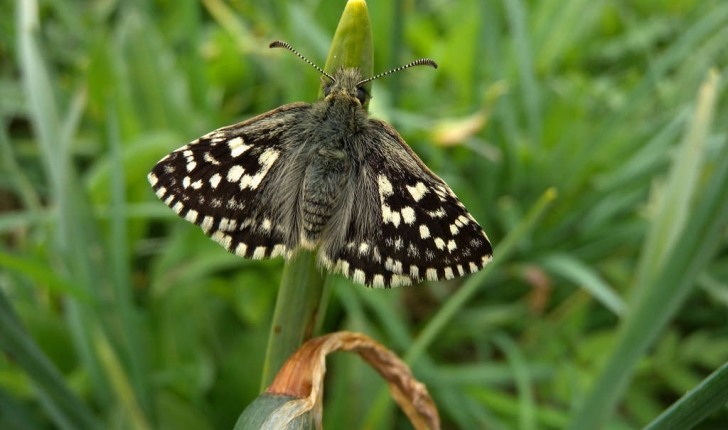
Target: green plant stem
[(296, 312), (301, 298)]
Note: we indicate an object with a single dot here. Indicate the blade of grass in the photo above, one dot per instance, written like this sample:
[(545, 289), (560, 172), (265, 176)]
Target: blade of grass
[(692, 252), (121, 272), (14, 415), (673, 207), (692, 408), (75, 229), (16, 175), (147, 210), (586, 278), (62, 405), (123, 390), (38, 272), (517, 19), (526, 404)]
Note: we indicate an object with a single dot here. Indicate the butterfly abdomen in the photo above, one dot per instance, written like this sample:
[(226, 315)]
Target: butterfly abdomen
[(324, 185)]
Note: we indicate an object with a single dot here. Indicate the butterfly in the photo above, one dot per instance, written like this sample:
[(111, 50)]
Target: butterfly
[(325, 177)]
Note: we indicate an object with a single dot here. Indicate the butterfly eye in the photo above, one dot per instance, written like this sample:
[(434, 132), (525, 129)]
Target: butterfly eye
[(361, 95), (327, 89)]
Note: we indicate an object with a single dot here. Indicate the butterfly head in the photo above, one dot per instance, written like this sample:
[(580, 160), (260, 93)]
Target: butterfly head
[(346, 82)]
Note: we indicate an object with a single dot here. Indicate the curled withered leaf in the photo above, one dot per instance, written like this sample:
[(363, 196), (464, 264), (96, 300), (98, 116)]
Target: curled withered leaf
[(456, 131), (302, 380), (451, 132)]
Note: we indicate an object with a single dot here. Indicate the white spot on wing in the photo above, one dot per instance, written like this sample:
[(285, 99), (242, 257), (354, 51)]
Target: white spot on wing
[(397, 266), (152, 179), (414, 271), (473, 267), (191, 166), (424, 231), (227, 224), (278, 250), (237, 147), (439, 243), (440, 213), (454, 229), (448, 273), (160, 192), (358, 276), (343, 266), (210, 159), (222, 238), (178, 207), (235, 173), (385, 187), (215, 180), (431, 274), (451, 245), (408, 215), (266, 160), (207, 223), (186, 182), (241, 249), (259, 253), (388, 215), (418, 191), (191, 216), (363, 248), (378, 281), (399, 280), (197, 184)]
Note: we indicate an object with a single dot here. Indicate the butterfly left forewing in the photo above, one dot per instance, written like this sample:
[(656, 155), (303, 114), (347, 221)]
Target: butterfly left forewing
[(416, 228), (220, 183)]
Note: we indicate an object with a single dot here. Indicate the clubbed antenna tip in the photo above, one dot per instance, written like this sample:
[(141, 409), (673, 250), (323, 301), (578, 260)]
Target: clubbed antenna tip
[(420, 62)]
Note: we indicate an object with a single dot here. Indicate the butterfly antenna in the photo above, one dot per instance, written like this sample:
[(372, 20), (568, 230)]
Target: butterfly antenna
[(420, 62), (282, 44)]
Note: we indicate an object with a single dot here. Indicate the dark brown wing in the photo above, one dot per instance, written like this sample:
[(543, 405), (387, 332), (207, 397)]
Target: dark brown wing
[(220, 182), (406, 224)]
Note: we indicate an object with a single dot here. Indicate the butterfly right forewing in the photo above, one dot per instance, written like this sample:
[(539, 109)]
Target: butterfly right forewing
[(406, 224), (228, 183)]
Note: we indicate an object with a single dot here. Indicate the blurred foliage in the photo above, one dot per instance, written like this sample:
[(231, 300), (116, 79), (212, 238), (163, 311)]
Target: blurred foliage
[(116, 314)]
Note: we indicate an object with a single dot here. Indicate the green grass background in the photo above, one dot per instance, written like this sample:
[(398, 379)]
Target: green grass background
[(603, 306)]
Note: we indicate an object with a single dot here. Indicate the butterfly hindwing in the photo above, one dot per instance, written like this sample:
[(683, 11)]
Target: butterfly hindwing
[(416, 227), (219, 181)]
